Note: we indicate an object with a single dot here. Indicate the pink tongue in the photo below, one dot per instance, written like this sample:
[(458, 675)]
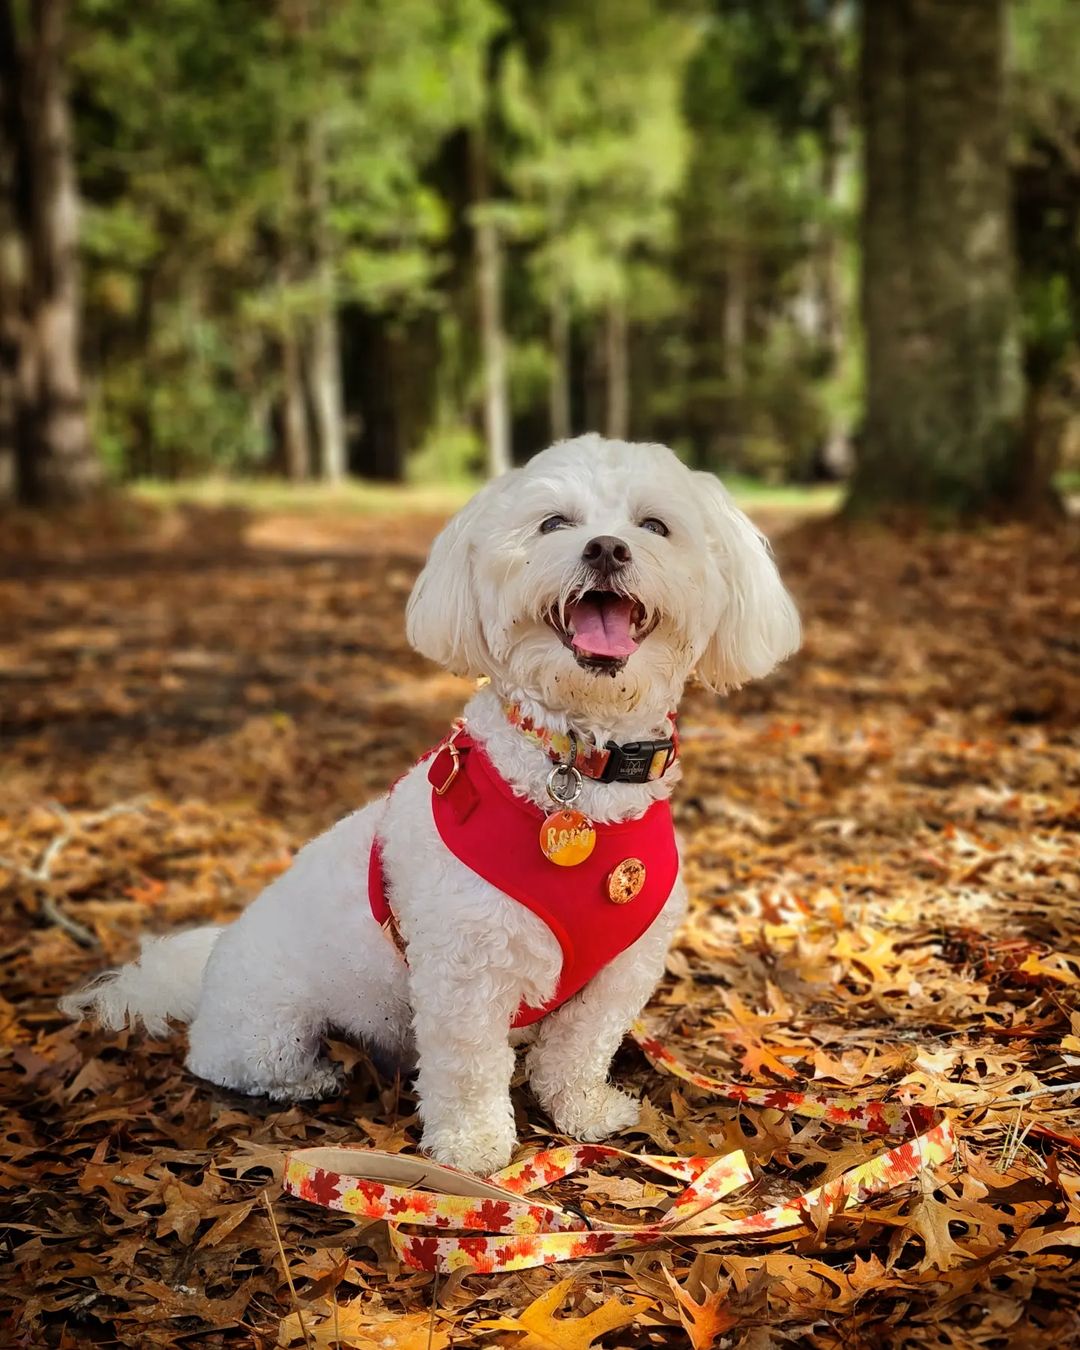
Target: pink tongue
[(602, 627)]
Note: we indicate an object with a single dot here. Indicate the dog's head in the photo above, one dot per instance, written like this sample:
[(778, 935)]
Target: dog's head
[(597, 577)]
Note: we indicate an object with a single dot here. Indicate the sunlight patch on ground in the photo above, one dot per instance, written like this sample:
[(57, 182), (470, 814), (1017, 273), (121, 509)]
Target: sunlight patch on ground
[(360, 497)]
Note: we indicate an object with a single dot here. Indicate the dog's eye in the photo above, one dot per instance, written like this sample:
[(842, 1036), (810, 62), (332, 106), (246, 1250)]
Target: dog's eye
[(655, 526), (553, 523)]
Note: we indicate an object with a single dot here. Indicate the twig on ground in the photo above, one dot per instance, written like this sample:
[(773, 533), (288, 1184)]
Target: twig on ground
[(41, 873), (1014, 1142), (288, 1273), (1049, 1090), (434, 1300), (78, 932)]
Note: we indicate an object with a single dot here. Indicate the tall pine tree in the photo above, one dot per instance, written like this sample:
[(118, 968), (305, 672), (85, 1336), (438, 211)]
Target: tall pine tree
[(43, 424), (939, 306)]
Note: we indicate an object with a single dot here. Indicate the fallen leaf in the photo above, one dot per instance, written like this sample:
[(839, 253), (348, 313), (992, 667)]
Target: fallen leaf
[(703, 1322), (353, 1324), (545, 1331), (929, 1220)]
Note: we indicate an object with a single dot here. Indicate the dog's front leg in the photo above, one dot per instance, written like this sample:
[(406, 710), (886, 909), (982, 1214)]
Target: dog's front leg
[(569, 1062), (462, 1010)]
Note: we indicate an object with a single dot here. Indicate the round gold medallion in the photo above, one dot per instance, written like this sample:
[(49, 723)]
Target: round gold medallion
[(567, 837), (625, 881)]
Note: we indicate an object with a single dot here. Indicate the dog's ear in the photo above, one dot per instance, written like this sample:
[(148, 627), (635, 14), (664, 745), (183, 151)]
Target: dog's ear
[(760, 624), (442, 618)]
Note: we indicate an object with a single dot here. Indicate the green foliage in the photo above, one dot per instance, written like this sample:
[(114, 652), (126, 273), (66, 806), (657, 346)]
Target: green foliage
[(221, 148), (1046, 112), (762, 373), (598, 144), (1045, 39), (452, 455), (247, 168)]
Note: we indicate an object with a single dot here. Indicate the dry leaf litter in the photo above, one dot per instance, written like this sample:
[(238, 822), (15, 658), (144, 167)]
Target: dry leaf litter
[(882, 848)]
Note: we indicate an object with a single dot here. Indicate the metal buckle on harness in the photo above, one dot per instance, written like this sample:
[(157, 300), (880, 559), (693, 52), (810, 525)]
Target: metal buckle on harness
[(455, 759)]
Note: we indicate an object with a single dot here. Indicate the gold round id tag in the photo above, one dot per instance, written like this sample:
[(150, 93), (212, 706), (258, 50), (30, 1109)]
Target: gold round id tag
[(626, 881), (567, 837)]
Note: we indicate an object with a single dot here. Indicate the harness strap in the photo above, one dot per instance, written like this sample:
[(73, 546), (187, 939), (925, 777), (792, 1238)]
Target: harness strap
[(380, 901), (495, 833)]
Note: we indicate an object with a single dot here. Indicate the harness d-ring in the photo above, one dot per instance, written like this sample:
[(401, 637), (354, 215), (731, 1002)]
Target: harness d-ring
[(455, 758)]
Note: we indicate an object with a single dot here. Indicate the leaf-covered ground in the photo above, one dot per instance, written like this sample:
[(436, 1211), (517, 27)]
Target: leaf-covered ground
[(882, 848)]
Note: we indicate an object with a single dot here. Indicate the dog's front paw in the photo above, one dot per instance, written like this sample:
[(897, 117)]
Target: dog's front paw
[(482, 1150), (593, 1113), (323, 1080)]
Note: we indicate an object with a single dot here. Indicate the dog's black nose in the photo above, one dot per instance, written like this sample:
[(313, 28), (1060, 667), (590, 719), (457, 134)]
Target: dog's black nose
[(606, 554)]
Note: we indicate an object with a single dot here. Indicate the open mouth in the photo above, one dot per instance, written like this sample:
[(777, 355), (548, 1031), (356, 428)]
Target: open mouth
[(602, 628)]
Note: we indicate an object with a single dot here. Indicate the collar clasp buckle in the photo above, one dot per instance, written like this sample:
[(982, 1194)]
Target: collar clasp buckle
[(638, 761)]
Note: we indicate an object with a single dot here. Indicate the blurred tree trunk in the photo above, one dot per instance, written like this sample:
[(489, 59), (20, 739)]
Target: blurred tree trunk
[(311, 351), (294, 417), (12, 254), (488, 256), (324, 377), (943, 376), (734, 322), (324, 352), (41, 396), (559, 388), (837, 455), (617, 364), (558, 333)]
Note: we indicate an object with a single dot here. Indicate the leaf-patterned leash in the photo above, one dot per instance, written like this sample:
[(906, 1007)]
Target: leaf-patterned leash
[(499, 1229)]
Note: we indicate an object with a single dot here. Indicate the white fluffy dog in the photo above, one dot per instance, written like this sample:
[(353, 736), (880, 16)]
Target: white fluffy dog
[(586, 586)]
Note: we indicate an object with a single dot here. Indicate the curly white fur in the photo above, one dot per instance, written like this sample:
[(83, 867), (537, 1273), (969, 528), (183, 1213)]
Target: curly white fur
[(307, 955)]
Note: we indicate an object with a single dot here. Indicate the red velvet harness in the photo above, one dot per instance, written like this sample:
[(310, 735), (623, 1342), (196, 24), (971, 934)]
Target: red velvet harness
[(497, 835)]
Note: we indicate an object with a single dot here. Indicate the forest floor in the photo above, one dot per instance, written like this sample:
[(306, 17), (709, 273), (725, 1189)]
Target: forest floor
[(882, 848)]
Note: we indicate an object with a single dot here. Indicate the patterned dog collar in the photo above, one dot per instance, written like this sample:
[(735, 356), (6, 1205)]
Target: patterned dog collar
[(633, 762)]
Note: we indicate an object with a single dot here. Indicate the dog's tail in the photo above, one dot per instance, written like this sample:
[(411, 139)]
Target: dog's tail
[(163, 983)]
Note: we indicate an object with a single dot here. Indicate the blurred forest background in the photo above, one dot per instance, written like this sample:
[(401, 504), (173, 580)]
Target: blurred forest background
[(408, 240)]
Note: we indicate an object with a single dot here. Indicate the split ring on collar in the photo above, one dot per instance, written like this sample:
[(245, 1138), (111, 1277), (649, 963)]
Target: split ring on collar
[(571, 791)]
